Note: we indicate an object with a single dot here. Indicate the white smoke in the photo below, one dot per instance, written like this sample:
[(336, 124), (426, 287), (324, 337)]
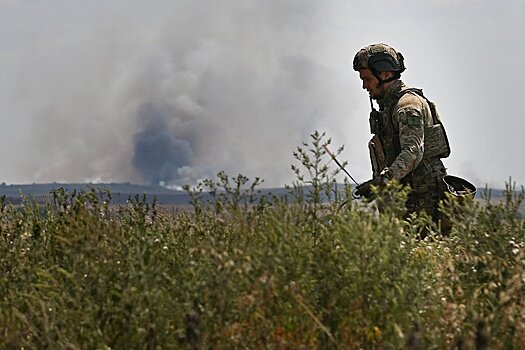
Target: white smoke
[(231, 85), (174, 91)]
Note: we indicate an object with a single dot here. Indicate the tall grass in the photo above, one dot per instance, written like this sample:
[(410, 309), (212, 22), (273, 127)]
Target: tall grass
[(243, 270)]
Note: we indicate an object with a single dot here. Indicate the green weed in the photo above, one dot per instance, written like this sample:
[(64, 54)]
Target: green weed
[(243, 270)]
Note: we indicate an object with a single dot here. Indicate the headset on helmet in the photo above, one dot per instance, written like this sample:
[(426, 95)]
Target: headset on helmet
[(380, 58)]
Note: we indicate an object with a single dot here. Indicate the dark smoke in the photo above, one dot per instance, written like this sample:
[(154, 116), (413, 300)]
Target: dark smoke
[(236, 85), (175, 93), (158, 154)]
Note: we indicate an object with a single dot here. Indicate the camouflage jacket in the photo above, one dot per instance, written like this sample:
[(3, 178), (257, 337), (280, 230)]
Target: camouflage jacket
[(404, 127)]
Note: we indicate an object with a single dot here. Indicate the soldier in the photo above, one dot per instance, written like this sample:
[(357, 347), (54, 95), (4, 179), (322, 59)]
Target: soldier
[(409, 139)]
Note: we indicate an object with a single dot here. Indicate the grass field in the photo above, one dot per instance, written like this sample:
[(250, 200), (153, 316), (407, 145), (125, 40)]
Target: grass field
[(243, 271)]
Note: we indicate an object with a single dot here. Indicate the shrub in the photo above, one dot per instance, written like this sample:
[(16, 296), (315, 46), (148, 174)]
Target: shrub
[(248, 270)]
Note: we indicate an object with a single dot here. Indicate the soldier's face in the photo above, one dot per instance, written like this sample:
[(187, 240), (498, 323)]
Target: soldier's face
[(371, 84)]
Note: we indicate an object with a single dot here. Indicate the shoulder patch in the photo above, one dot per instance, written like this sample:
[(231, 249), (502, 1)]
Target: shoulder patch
[(410, 116), (414, 120)]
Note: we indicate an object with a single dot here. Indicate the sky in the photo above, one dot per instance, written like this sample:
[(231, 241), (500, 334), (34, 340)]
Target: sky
[(171, 92)]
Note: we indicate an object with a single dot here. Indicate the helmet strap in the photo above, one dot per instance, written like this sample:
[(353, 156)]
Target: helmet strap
[(381, 81), (392, 78)]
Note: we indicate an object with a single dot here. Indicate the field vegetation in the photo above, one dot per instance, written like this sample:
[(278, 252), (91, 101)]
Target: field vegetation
[(311, 270)]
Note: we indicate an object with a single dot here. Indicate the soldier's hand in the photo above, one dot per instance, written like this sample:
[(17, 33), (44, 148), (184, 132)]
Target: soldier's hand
[(365, 189)]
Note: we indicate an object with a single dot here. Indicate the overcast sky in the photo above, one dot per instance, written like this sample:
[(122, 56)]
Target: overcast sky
[(174, 91)]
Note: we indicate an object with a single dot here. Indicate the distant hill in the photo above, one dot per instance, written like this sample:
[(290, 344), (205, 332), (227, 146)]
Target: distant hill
[(121, 192)]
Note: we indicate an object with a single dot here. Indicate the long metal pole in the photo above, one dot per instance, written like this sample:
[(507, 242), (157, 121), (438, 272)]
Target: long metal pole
[(339, 164)]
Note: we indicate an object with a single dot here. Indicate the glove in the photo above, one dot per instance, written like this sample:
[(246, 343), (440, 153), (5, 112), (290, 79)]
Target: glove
[(365, 189)]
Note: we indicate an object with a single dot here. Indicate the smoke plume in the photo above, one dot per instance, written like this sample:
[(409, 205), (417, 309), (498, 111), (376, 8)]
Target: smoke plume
[(158, 154), (173, 91), (208, 86)]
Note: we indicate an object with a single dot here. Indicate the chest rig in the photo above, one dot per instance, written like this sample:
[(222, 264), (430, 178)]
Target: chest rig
[(385, 143)]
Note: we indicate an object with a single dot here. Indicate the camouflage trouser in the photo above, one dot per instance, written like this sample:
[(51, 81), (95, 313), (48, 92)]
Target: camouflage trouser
[(428, 189)]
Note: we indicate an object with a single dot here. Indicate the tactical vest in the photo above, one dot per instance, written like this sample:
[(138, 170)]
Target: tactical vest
[(382, 125)]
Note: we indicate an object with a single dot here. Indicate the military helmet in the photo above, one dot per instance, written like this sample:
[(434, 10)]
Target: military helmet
[(379, 58)]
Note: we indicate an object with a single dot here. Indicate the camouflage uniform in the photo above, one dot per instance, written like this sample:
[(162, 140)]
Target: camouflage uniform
[(411, 136), (404, 116)]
